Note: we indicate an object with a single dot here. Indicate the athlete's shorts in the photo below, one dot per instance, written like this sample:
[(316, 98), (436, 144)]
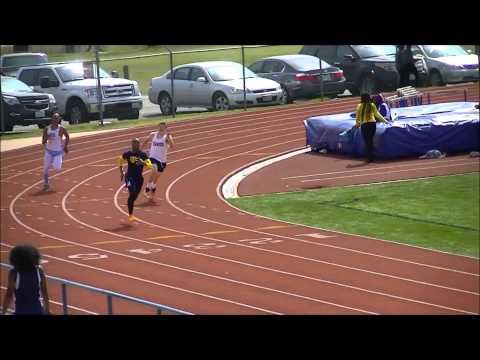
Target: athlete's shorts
[(158, 165), (134, 184), (53, 159)]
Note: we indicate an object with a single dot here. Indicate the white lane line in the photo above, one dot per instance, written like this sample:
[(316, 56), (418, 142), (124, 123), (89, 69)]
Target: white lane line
[(190, 270), (207, 238), (274, 123), (185, 174), (186, 149), (115, 253), (292, 238), (380, 168), (390, 172), (404, 180), (63, 204)]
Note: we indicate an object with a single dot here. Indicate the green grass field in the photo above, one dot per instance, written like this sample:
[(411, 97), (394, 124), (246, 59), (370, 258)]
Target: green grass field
[(142, 70), (439, 213)]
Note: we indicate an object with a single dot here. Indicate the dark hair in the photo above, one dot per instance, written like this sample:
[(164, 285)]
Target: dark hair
[(378, 99), (24, 257), (366, 100)]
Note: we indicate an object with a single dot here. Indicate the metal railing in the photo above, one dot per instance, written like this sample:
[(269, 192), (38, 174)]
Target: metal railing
[(109, 296)]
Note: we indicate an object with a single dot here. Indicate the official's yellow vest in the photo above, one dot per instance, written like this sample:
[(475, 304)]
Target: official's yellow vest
[(362, 117)]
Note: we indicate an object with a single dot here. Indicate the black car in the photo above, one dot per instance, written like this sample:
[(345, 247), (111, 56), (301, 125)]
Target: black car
[(299, 75), (22, 106), (367, 68)]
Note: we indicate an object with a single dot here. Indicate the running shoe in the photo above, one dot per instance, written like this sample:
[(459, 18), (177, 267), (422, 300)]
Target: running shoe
[(132, 218), (146, 193), (46, 187)]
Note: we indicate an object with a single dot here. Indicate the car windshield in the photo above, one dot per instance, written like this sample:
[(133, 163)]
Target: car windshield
[(13, 85), (24, 60), (366, 51), (229, 72), (79, 71), (436, 51), (307, 63)]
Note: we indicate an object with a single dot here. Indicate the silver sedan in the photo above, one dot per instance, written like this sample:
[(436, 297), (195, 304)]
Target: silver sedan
[(444, 64), (216, 85)]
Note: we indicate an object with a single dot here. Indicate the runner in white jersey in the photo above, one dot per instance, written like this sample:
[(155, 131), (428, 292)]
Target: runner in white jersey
[(54, 147), (161, 141)]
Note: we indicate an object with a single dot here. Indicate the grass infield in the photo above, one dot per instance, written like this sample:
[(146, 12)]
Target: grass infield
[(439, 213)]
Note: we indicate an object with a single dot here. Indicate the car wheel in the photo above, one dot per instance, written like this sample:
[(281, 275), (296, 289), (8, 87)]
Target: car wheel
[(368, 85), (220, 102), (134, 115), (76, 112), (435, 79), (285, 97), (165, 102)]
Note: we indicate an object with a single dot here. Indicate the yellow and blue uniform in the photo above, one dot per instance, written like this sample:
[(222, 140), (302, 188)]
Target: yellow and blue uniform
[(134, 177)]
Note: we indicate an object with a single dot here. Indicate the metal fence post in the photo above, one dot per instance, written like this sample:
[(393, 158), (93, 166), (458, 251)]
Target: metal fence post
[(465, 94), (428, 98), (172, 89), (110, 304), (64, 299), (321, 78), (126, 74), (244, 88), (99, 85)]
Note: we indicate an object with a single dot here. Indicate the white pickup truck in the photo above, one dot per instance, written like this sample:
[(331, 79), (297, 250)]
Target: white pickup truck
[(74, 87)]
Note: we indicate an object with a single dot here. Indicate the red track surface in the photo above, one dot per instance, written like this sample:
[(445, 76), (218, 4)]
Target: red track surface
[(191, 250)]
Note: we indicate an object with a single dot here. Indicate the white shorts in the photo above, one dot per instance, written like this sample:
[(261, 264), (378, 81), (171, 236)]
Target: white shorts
[(53, 159)]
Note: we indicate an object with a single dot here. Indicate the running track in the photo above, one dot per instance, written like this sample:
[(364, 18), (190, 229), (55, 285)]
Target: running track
[(192, 251)]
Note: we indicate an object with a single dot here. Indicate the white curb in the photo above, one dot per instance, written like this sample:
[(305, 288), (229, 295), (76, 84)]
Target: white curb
[(229, 188)]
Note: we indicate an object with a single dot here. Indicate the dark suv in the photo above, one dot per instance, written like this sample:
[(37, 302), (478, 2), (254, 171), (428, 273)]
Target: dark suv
[(22, 106), (367, 68)]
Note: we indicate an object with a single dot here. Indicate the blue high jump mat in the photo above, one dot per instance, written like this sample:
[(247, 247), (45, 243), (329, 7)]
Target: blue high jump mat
[(448, 127)]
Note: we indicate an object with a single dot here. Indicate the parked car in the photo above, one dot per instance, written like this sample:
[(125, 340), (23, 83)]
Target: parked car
[(23, 106), (367, 68), (74, 87), (10, 63), (447, 63), (216, 85), (299, 75)]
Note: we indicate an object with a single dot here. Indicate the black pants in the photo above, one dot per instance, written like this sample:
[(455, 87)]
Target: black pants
[(134, 186), (368, 132)]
